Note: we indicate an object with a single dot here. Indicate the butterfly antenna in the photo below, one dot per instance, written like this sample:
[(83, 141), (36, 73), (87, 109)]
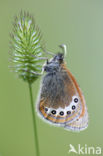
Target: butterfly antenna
[(64, 49), (48, 52)]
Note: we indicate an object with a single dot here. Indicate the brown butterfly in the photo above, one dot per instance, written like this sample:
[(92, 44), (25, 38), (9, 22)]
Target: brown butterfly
[(61, 101)]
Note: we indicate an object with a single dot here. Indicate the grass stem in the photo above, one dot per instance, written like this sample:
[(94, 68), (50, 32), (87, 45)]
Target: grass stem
[(34, 122)]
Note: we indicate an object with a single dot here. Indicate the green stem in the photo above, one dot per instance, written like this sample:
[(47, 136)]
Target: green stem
[(34, 121)]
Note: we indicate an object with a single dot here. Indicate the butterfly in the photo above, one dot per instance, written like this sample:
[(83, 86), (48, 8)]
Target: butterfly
[(61, 102)]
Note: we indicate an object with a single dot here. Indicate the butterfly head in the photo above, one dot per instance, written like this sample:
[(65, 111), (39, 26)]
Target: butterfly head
[(54, 64)]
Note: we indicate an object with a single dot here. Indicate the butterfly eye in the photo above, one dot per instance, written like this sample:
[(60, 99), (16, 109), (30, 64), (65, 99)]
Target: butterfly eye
[(46, 109), (53, 112), (76, 100), (61, 113), (73, 107), (47, 61), (68, 112)]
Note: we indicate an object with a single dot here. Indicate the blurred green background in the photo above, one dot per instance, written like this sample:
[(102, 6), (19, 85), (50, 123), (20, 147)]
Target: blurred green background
[(78, 24)]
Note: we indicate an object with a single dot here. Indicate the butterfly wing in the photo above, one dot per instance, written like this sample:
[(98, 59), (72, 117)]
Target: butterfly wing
[(81, 122), (61, 101)]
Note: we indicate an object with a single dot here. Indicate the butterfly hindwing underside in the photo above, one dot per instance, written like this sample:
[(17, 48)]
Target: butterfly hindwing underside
[(61, 101)]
